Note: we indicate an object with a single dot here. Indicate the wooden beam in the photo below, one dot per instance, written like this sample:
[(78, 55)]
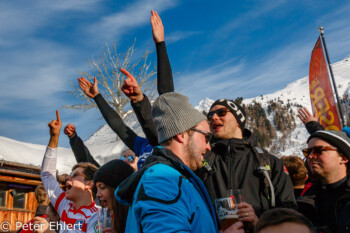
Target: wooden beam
[(19, 180), (14, 164), (19, 173)]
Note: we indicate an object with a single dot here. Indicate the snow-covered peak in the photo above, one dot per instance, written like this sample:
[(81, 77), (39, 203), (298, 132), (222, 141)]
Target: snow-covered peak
[(204, 104)]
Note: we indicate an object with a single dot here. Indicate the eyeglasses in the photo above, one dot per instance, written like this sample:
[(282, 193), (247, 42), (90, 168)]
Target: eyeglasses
[(206, 134), (221, 112), (130, 158), (76, 173), (317, 150)]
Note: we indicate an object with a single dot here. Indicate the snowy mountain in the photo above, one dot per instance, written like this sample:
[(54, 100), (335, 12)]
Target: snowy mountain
[(103, 145)]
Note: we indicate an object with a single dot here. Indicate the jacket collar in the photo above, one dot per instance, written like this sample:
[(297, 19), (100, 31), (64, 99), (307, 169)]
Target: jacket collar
[(125, 191), (248, 140)]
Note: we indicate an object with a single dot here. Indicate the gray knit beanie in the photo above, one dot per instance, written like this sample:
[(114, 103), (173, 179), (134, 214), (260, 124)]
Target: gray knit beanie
[(173, 114), (336, 138)]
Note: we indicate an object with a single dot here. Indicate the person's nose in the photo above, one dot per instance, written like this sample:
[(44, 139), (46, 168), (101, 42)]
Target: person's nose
[(215, 117), (312, 155), (207, 146), (98, 194)]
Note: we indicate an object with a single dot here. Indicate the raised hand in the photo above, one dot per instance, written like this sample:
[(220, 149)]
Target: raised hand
[(131, 88), (305, 116), (69, 130), (88, 88), (55, 126), (157, 27)]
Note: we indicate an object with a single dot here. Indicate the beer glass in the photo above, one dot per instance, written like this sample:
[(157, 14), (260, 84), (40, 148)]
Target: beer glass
[(227, 211), (104, 219), (237, 194)]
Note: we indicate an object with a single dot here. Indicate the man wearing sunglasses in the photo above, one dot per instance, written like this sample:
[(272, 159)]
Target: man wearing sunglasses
[(327, 201), (165, 195), (76, 206), (128, 156), (238, 163)]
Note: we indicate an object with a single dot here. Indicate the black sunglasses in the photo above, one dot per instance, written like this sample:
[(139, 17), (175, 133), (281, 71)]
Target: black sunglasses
[(221, 112), (317, 150), (130, 158), (207, 135)]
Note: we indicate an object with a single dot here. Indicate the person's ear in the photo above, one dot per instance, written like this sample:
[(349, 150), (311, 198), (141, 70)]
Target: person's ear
[(344, 159), (89, 184), (181, 137)]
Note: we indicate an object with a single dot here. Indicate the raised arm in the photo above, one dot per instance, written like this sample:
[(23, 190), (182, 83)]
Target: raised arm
[(48, 167), (310, 121), (55, 128), (80, 151), (112, 118), (141, 106), (165, 81)]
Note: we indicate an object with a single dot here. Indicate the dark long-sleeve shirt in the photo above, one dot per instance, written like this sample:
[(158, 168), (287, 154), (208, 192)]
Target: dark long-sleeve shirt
[(165, 84), (80, 151)]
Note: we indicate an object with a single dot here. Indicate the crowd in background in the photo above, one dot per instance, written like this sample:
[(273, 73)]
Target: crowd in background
[(169, 180)]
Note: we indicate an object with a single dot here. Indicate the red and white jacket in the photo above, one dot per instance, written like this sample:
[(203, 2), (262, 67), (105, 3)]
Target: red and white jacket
[(83, 219)]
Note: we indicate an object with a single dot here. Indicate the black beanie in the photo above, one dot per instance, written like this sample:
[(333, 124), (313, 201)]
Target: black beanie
[(113, 173), (236, 110), (336, 138)]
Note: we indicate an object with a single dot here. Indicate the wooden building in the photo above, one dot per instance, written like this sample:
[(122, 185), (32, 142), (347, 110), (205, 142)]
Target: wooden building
[(17, 199)]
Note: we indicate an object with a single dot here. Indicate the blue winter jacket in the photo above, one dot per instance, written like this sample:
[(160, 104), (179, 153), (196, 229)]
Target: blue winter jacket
[(166, 196)]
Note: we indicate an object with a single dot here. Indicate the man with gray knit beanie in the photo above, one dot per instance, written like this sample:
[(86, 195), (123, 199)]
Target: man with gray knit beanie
[(327, 202), (165, 195)]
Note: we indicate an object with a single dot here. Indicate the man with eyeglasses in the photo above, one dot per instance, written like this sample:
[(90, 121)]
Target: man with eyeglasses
[(327, 202), (165, 195), (128, 156), (237, 163), (75, 206)]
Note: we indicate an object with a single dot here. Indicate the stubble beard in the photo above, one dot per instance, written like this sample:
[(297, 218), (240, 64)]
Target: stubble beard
[(194, 156)]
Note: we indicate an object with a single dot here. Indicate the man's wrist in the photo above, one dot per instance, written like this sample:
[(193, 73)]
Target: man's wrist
[(98, 94), (72, 135), (53, 143), (138, 98), (95, 95)]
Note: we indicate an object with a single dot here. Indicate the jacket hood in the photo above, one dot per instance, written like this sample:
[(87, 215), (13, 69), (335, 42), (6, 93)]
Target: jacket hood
[(125, 191)]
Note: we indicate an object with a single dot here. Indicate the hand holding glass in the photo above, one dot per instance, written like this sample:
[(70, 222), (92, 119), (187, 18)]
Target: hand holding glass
[(226, 209)]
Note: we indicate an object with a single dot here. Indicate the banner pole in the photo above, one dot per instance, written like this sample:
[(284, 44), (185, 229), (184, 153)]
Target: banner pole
[(331, 72)]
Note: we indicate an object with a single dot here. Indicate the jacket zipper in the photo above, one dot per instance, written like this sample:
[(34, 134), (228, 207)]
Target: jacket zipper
[(230, 183)]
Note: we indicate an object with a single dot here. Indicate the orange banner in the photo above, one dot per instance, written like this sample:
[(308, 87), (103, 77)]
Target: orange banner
[(321, 93)]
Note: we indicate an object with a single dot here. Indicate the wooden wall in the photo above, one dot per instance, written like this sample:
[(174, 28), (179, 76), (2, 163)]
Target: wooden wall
[(12, 216)]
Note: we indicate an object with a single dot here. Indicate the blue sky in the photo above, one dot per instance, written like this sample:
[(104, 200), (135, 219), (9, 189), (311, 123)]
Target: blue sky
[(217, 49)]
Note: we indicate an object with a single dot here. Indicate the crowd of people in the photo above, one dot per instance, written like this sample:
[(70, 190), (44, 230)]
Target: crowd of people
[(169, 180)]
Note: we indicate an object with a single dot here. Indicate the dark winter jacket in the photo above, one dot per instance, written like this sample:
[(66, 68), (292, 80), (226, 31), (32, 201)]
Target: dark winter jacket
[(310, 206), (234, 166), (166, 196)]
